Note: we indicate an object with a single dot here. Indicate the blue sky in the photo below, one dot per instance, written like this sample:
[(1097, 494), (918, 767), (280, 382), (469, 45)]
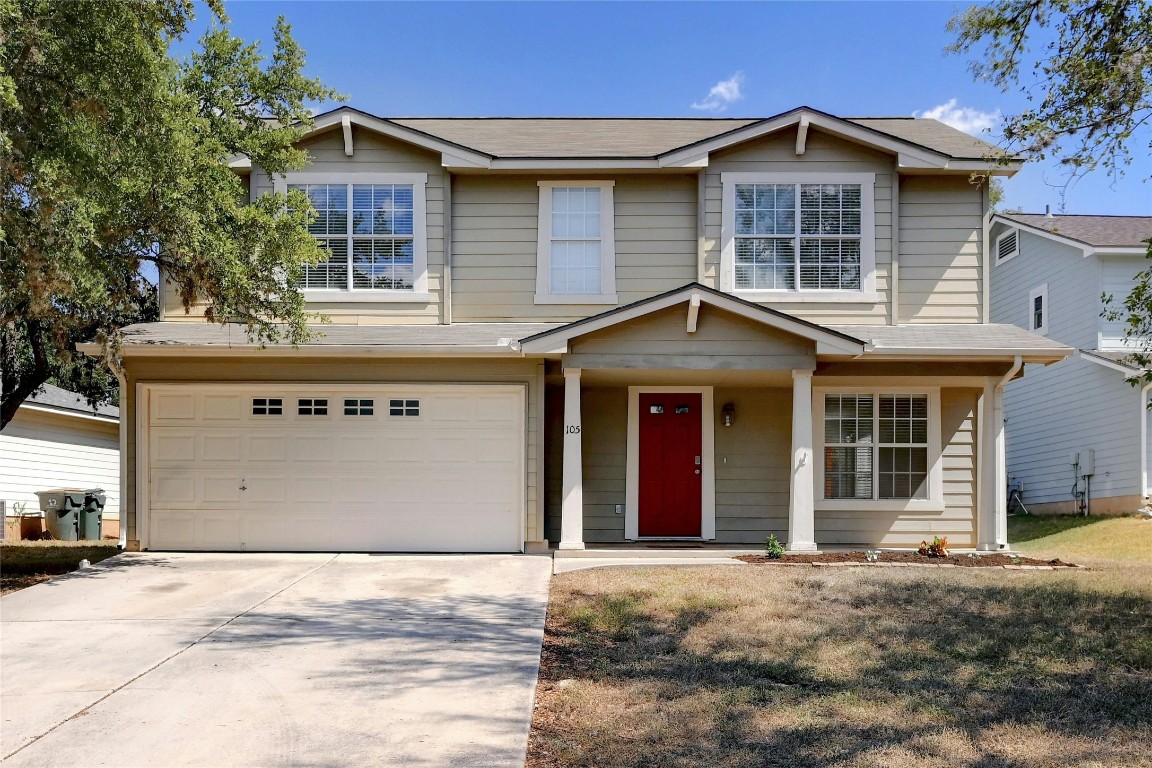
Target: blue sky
[(667, 59)]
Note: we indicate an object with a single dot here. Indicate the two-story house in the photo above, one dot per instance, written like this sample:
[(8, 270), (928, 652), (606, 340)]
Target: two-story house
[(584, 331), (1078, 433)]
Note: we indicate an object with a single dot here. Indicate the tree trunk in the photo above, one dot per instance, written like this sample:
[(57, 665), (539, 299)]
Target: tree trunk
[(20, 383)]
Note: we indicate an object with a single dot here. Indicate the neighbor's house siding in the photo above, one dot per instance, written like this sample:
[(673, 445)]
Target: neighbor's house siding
[(374, 153), (313, 369), (823, 154), (1075, 404), (1072, 406), (941, 250), (44, 450), (495, 224), (1117, 278)]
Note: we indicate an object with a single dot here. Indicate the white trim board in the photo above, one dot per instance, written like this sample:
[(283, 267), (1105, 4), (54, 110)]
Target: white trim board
[(707, 461)]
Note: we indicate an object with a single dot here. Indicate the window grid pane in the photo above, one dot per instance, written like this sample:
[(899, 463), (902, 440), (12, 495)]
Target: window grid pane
[(575, 250), (814, 254), (903, 451), (848, 421), (379, 252), (575, 266)]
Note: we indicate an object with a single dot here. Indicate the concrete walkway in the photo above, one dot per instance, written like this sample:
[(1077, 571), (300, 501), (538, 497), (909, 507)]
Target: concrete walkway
[(274, 660)]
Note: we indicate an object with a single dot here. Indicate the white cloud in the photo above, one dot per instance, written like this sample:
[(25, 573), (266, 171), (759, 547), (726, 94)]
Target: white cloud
[(722, 94), (965, 119)]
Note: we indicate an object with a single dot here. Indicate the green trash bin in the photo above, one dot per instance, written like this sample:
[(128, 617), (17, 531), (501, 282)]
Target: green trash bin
[(61, 508), (91, 514)]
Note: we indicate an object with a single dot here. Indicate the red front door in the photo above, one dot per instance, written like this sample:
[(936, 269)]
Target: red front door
[(670, 464)]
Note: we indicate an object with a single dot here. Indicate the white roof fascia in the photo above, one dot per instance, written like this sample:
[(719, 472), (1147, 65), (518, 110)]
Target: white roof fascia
[(826, 343), (240, 162), (1127, 370), (1108, 250), (910, 155), (1078, 244), (65, 412), (389, 128), (971, 353), (326, 350)]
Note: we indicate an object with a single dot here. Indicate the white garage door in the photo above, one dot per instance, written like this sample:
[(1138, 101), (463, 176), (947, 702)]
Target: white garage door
[(417, 468)]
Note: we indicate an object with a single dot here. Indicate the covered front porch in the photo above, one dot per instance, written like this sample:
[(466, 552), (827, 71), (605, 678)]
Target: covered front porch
[(697, 421)]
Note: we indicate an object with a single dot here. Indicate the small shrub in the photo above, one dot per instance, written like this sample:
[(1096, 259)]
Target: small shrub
[(872, 555), (773, 549), (938, 548)]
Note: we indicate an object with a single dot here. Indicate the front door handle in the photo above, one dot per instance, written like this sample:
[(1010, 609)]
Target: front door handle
[(697, 461)]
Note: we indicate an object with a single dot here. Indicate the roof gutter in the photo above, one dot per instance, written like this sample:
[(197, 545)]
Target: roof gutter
[(504, 349)]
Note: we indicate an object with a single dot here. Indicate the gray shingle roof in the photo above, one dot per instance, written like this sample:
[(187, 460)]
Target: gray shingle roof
[(1097, 231), (233, 335), (631, 137), (964, 338), (60, 399)]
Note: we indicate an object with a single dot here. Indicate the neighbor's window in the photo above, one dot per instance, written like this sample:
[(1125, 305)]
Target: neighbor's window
[(1038, 309), (793, 236), (576, 260), (875, 446)]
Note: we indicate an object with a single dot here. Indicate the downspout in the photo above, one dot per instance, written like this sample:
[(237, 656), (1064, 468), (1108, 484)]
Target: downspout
[(894, 286), (1144, 395), (122, 543), (446, 286), (993, 522)]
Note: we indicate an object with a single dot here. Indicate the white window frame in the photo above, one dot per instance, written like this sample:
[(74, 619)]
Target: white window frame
[(866, 292), (419, 181), (1041, 292), (1015, 251), (935, 500), (607, 294)]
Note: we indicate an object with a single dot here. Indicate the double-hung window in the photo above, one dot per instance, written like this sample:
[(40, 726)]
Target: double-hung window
[(372, 227), (576, 252), (1038, 310), (879, 448), (801, 236)]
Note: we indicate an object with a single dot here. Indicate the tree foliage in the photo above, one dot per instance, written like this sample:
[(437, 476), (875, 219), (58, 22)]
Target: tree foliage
[(1085, 67), (114, 155)]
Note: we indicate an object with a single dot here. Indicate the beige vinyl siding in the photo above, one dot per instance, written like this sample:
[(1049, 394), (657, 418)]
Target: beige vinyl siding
[(374, 153), (722, 340), (941, 242), (823, 153), (958, 416), (494, 225), (42, 451), (297, 369), (752, 456)]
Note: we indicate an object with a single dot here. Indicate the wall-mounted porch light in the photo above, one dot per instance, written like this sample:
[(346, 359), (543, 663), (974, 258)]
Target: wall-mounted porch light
[(728, 414)]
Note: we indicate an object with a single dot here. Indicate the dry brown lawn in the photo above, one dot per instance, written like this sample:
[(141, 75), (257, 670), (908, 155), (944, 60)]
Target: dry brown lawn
[(790, 666)]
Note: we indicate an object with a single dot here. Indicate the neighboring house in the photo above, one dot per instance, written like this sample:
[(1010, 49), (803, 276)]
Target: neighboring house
[(57, 440), (1078, 434), (587, 331)]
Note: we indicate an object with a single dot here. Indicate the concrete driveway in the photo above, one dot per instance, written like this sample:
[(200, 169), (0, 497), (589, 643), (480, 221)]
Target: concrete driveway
[(274, 660)]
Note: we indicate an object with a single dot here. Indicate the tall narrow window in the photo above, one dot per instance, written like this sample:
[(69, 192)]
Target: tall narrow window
[(1038, 309), (576, 260)]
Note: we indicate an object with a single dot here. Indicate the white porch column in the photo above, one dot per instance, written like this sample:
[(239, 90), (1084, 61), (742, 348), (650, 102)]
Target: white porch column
[(801, 518), (992, 516), (572, 508)]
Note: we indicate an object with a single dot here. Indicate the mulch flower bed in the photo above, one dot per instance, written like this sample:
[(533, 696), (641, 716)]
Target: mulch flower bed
[(897, 559)]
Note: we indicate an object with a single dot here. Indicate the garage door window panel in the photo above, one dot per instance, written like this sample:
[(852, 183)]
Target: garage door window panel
[(267, 406), (359, 407), (312, 407)]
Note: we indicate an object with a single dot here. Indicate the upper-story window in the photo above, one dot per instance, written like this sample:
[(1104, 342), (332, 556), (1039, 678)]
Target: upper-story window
[(1038, 310), (799, 236), (373, 227), (576, 257)]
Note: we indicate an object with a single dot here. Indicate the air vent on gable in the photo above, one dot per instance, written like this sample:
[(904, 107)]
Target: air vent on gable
[(1007, 245)]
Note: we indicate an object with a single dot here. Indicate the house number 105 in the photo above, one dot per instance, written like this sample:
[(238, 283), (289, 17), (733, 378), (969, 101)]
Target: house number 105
[(571, 429)]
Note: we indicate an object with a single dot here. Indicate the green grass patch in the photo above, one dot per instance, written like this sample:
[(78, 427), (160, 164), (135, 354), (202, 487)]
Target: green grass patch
[(1116, 539)]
